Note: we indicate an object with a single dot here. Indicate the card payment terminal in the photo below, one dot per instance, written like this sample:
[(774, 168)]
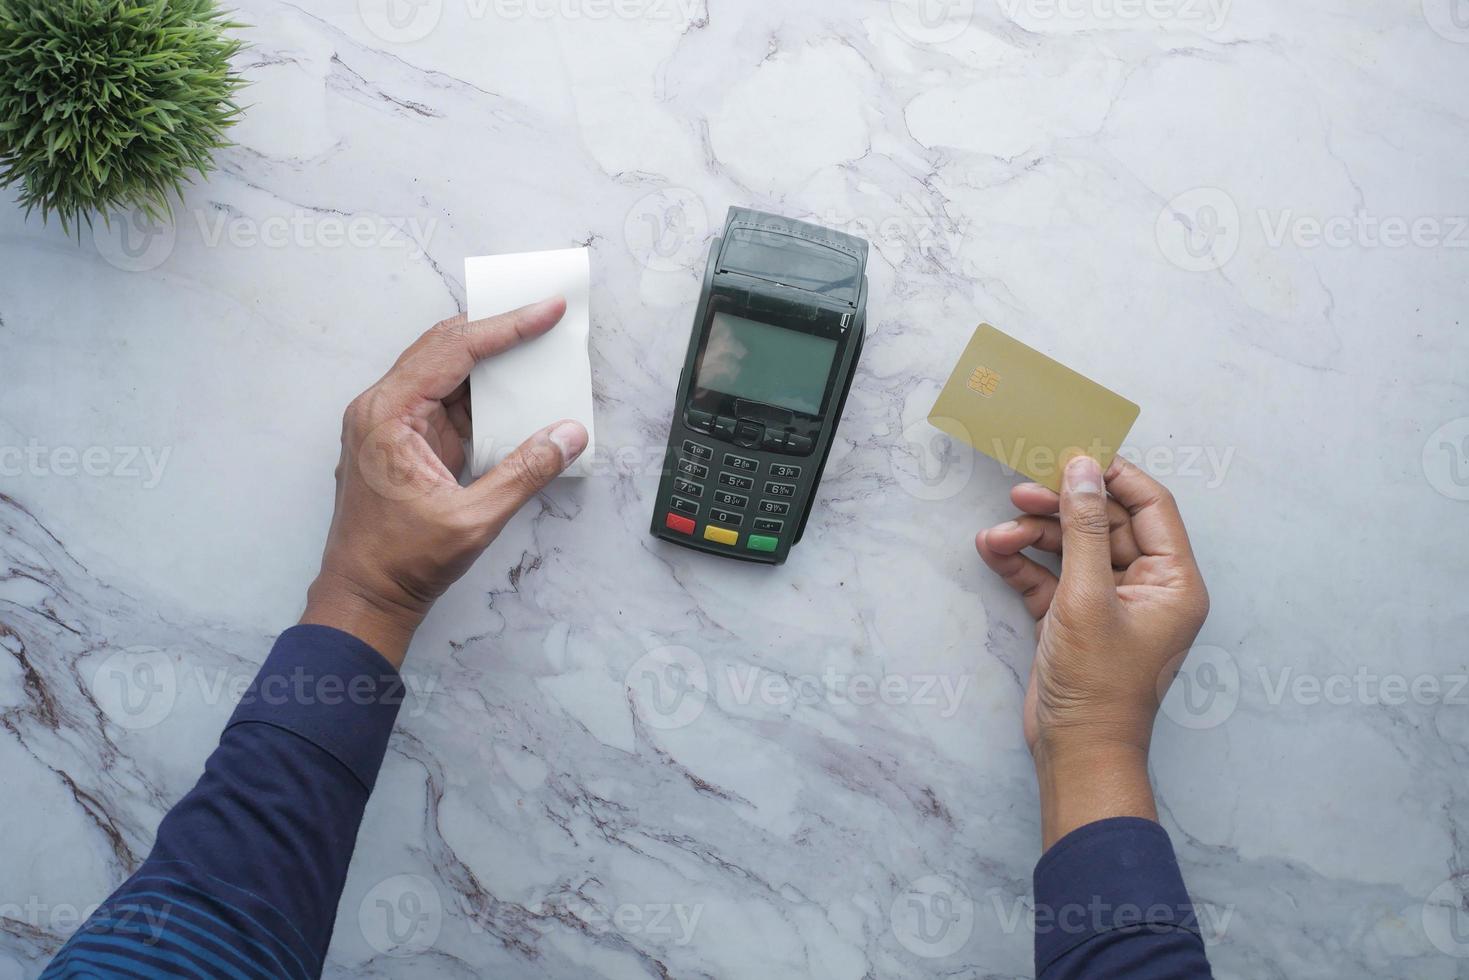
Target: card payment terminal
[(774, 346)]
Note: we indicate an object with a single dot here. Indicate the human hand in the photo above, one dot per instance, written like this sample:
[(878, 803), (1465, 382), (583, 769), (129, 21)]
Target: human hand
[(404, 530), (1111, 631)]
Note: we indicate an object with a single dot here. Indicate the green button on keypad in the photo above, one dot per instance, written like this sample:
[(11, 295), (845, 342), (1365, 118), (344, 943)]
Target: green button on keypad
[(761, 542)]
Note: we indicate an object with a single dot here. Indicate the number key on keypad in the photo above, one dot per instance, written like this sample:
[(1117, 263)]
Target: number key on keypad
[(741, 463)]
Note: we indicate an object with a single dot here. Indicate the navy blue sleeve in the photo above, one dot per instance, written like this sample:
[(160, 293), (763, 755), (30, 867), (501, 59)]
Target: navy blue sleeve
[(246, 872), (1110, 902)]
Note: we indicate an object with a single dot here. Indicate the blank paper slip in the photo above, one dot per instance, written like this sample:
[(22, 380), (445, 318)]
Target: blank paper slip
[(526, 388)]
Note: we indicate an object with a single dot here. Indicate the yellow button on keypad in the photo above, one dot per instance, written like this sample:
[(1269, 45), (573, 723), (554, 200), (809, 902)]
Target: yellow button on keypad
[(721, 534)]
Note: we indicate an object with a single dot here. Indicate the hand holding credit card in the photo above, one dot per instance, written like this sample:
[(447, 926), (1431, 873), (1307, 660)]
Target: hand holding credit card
[(1027, 411)]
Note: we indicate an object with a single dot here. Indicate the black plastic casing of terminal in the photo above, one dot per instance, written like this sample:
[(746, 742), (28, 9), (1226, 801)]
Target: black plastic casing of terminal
[(747, 469)]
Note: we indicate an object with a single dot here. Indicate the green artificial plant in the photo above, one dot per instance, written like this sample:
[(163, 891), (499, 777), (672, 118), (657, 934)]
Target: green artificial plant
[(107, 105)]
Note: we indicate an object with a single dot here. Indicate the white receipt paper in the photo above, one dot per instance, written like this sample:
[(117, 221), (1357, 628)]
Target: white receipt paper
[(524, 389)]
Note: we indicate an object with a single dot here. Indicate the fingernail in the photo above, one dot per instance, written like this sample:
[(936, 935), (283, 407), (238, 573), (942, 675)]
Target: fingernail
[(571, 439), (1083, 475), (1007, 526)]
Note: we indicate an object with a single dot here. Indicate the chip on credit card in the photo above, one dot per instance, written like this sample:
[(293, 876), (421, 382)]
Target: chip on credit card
[(1027, 411)]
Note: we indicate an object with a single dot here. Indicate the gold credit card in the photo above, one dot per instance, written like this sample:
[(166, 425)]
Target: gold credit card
[(1032, 414)]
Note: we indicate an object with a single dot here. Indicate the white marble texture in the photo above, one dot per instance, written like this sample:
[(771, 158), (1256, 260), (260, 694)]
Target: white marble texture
[(1012, 163)]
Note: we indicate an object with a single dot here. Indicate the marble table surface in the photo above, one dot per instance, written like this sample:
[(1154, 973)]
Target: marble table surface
[(1249, 218)]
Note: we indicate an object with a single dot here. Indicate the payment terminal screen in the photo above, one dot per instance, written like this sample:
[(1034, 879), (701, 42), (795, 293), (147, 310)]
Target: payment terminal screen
[(765, 363)]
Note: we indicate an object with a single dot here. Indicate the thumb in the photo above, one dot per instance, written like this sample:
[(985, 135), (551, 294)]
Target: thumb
[(1086, 564), (506, 487)]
